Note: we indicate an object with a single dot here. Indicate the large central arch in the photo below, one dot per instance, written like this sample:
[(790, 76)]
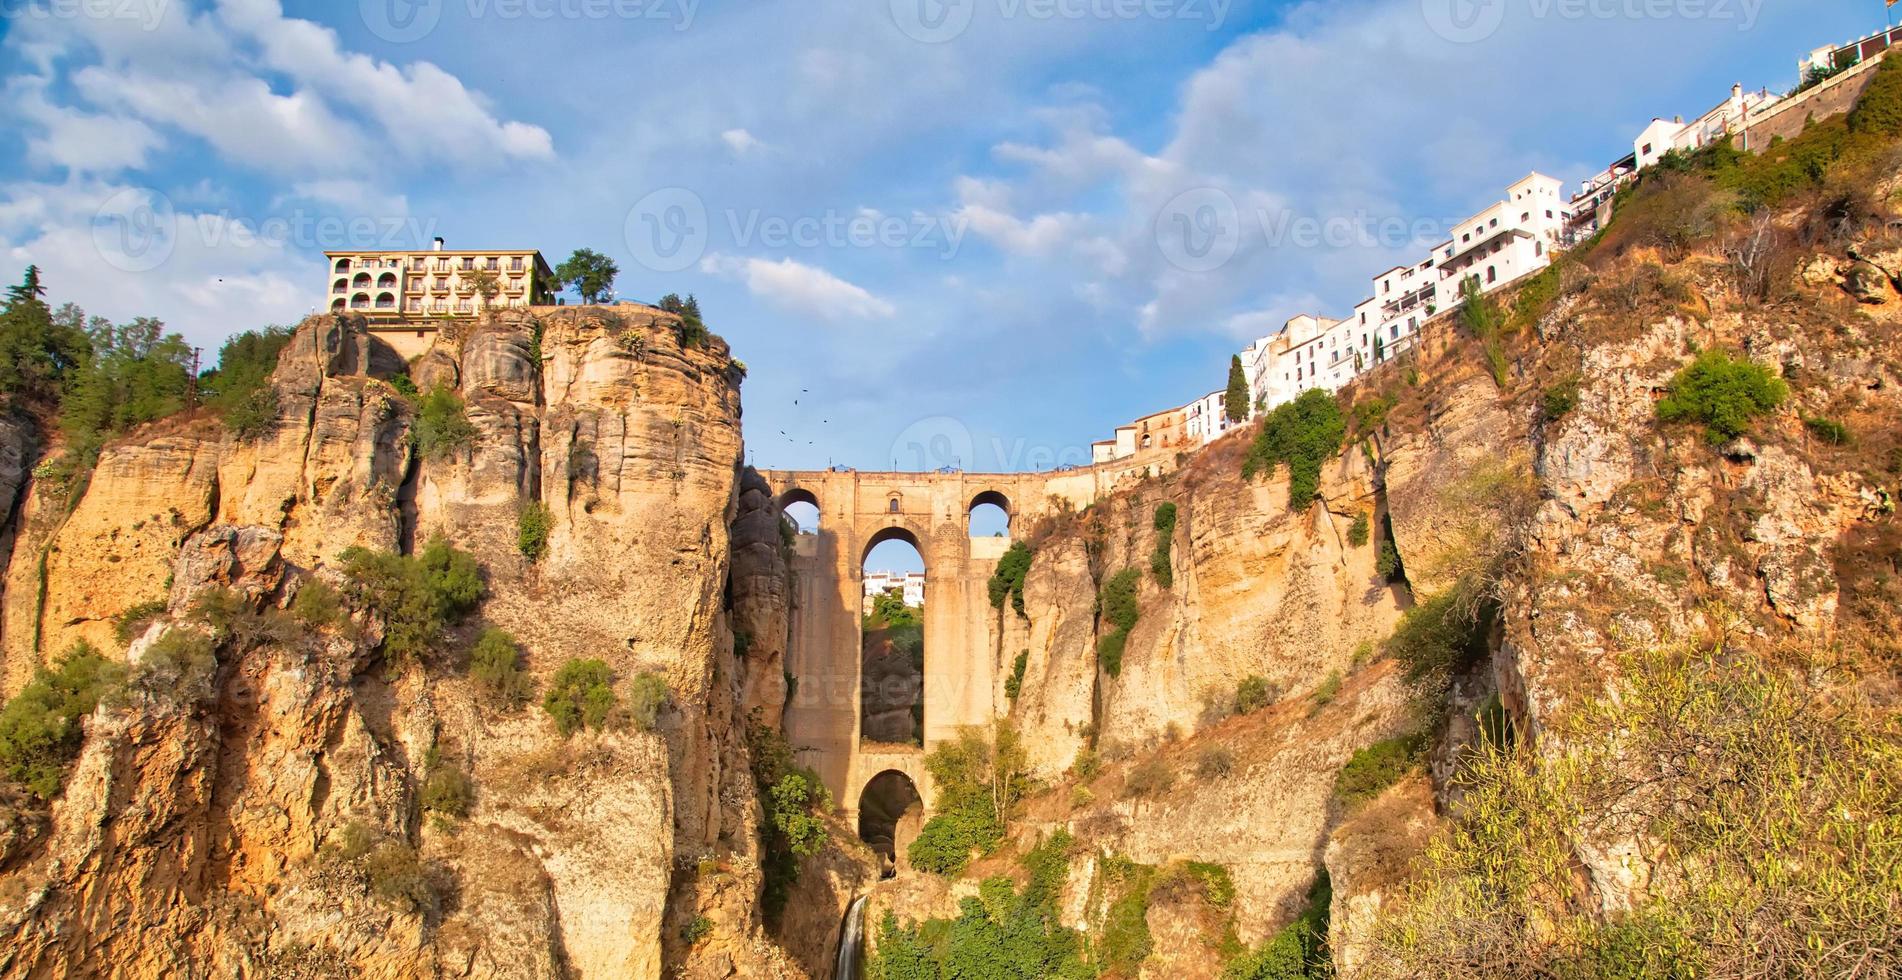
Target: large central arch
[(892, 658)]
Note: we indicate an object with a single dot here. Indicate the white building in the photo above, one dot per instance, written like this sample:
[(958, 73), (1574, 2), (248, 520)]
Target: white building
[(909, 585), (1206, 418), (1507, 241)]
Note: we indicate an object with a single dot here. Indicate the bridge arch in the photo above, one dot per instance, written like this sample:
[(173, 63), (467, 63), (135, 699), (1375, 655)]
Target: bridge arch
[(891, 812), (894, 532), (802, 506), (988, 515)]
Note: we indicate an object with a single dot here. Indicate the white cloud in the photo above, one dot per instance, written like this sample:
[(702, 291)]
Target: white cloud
[(741, 142), (800, 288), (77, 140)]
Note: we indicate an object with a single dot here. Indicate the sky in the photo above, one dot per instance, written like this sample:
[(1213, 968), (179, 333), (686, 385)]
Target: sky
[(973, 233)]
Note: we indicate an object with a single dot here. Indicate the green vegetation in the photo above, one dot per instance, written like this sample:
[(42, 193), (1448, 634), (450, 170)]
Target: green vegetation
[(1559, 398), (890, 612), (1357, 532), (41, 727), (1008, 578), (1116, 605), (999, 934), (1253, 694), (1299, 951), (531, 530), (1480, 314), (1159, 563), (177, 668), (417, 597), (1438, 638), (135, 618), (647, 694), (1304, 434), (1376, 767), (1235, 399), (1125, 940), (793, 800), (581, 696), (240, 387), (694, 932), (1014, 684), (589, 273), (442, 425), (448, 792), (980, 777), (1723, 394), (693, 330), (37, 352), (1828, 430), (131, 374), (1387, 561), (390, 867), (1766, 802), (318, 605), (495, 663), (1330, 687), (1370, 413)]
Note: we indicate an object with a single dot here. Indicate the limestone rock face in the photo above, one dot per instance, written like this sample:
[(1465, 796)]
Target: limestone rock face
[(1369, 856), (212, 835)]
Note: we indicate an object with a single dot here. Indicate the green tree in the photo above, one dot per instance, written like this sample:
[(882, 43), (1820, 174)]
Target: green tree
[(442, 424), (485, 284), (417, 597), (240, 386), (1008, 578), (495, 663), (41, 727), (37, 350), (589, 273), (1235, 401)]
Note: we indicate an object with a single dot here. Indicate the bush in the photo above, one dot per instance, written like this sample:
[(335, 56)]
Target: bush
[(980, 778), (647, 695), (1253, 694), (1014, 684), (129, 624), (1116, 604), (1304, 434), (41, 728), (531, 530), (1558, 400), (1214, 762), (178, 667), (1358, 532), (495, 663), (448, 791), (1480, 314), (1370, 413), (1723, 394), (581, 696), (398, 876), (1007, 580), (317, 605), (416, 597), (1437, 639), (442, 425), (1376, 767), (1330, 687), (251, 415), (999, 932), (694, 932), (1109, 653), (1148, 779), (1299, 951), (1766, 804), (792, 799), (1159, 560), (1828, 430), (1387, 561), (1878, 110)]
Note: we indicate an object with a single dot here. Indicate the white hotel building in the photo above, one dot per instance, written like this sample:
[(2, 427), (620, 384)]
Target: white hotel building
[(1506, 242)]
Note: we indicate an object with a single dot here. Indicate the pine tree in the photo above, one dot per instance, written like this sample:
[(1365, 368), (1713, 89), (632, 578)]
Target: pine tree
[(1235, 402), (36, 348)]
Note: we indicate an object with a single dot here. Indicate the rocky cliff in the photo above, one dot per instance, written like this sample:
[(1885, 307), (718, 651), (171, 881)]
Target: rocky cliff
[(223, 833)]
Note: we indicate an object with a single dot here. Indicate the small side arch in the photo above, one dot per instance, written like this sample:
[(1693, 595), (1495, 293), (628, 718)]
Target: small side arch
[(891, 812)]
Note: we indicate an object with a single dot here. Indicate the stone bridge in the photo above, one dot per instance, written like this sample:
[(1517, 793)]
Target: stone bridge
[(964, 664)]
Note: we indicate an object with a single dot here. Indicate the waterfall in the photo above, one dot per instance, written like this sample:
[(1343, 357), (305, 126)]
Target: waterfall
[(850, 939)]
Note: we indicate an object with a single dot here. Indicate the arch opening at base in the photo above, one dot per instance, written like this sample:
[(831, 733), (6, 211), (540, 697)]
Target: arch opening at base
[(890, 815), (801, 506), (892, 640)]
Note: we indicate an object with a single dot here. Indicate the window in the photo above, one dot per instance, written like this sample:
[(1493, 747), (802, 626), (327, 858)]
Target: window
[(1548, 213), (1538, 248), (1492, 275), (468, 263), (1467, 237), (891, 506), (515, 264), (1363, 318), (1493, 224), (1395, 331), (1527, 216), (1647, 148)]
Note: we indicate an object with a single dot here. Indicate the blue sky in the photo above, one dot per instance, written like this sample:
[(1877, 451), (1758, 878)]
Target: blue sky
[(951, 232)]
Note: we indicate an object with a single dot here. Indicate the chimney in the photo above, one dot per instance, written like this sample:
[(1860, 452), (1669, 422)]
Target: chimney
[(1736, 90), (1678, 119), (438, 246)]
